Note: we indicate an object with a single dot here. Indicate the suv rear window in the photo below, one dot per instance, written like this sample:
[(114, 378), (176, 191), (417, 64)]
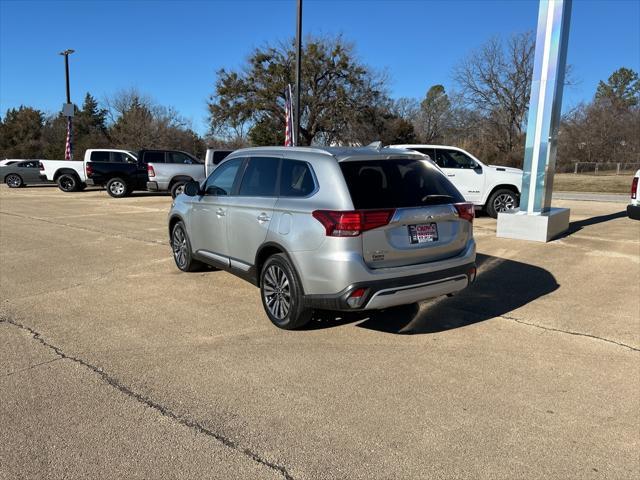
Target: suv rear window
[(397, 183)]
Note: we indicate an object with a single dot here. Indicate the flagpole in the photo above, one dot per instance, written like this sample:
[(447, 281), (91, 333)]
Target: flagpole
[(296, 134)]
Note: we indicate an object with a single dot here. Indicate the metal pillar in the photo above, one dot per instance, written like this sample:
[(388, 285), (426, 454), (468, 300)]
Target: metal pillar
[(536, 220)]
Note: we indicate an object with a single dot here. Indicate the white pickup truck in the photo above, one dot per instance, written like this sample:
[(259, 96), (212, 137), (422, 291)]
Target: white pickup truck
[(492, 188), (70, 175)]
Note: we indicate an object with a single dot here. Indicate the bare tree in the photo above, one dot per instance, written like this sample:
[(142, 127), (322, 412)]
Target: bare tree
[(496, 81), (433, 114)]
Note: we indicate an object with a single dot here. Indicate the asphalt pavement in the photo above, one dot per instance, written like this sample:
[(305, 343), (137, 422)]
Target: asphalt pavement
[(113, 364)]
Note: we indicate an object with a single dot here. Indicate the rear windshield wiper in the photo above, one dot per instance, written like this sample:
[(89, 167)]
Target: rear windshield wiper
[(428, 198)]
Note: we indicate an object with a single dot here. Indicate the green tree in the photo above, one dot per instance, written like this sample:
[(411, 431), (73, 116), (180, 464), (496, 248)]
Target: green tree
[(622, 88), (335, 87), (21, 133)]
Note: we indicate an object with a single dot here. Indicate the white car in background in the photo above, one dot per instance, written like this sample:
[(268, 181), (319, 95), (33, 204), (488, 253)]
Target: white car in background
[(633, 209), (491, 188)]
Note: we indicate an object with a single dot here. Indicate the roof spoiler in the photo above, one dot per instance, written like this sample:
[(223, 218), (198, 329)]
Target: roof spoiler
[(376, 145)]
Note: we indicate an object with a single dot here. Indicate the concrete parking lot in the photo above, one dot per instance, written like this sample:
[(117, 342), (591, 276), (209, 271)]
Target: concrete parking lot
[(113, 364)]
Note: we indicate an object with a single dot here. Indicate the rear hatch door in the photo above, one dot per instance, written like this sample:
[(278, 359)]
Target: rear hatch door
[(425, 225)]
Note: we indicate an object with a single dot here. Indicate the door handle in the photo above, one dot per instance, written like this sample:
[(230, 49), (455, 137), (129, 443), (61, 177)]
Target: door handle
[(220, 212), (263, 217), (451, 174)]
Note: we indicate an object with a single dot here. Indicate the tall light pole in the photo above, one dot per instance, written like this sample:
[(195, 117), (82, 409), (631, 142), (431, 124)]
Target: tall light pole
[(298, 63), (67, 108)]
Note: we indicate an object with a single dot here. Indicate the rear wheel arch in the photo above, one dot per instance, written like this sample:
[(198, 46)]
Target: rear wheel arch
[(505, 186), (62, 171), (179, 179), (267, 250)]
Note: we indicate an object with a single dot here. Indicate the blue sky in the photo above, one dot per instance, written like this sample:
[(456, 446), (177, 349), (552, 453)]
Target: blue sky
[(172, 49)]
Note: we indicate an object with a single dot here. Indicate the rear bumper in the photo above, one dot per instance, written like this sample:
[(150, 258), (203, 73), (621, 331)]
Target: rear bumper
[(397, 291), (90, 182), (152, 186), (43, 178), (633, 211)]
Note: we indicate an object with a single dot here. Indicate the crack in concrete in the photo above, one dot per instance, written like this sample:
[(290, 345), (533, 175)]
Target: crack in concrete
[(570, 332), (163, 410), (85, 229)]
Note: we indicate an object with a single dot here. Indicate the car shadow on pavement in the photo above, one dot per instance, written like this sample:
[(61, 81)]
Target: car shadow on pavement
[(579, 225), (502, 286)]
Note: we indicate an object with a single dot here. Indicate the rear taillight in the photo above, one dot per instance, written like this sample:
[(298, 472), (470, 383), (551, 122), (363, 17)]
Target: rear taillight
[(150, 171), (634, 188), (466, 211), (88, 170), (40, 166), (352, 223)]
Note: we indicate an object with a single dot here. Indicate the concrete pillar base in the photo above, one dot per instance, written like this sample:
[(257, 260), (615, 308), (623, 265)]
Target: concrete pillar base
[(540, 227)]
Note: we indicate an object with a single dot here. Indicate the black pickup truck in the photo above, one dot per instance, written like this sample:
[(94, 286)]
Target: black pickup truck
[(121, 171)]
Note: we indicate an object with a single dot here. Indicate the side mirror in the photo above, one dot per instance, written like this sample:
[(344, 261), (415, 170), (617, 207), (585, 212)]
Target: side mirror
[(191, 188), (478, 168)]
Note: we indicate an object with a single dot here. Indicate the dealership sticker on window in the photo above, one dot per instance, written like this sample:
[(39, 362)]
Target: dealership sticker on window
[(423, 233)]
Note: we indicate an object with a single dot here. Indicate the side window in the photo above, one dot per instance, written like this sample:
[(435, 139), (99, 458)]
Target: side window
[(454, 159), (121, 157), (179, 157), (28, 164), (153, 157), (259, 179), (99, 156), (296, 179), (221, 180)]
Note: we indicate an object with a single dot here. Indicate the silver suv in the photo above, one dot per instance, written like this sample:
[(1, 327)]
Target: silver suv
[(328, 228)]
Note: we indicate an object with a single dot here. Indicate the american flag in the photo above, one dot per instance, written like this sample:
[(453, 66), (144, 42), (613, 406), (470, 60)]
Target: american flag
[(68, 149), (289, 141)]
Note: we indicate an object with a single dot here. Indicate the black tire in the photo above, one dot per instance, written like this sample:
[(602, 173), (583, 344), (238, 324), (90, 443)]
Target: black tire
[(67, 182), (181, 248), (502, 200), (177, 189), (282, 294), (117, 187), (13, 180)]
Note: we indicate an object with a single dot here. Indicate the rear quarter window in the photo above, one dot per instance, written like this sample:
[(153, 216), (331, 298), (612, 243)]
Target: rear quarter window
[(296, 179), (397, 183), (100, 156)]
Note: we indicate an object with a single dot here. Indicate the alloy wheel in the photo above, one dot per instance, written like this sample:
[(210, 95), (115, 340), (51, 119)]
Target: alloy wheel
[(179, 245), (504, 202), (67, 183), (277, 292), (117, 188), (14, 181)]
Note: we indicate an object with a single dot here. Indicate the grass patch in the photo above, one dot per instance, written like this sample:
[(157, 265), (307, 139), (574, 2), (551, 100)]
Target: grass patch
[(570, 182)]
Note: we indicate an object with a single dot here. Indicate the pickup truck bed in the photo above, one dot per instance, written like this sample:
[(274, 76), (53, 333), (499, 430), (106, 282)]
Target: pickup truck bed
[(68, 174)]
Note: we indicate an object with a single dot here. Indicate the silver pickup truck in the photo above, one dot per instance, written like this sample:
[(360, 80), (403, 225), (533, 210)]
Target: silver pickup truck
[(169, 171)]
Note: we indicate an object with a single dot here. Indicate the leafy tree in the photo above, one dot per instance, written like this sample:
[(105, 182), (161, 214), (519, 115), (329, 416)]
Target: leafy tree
[(335, 87), (21, 133), (622, 88)]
